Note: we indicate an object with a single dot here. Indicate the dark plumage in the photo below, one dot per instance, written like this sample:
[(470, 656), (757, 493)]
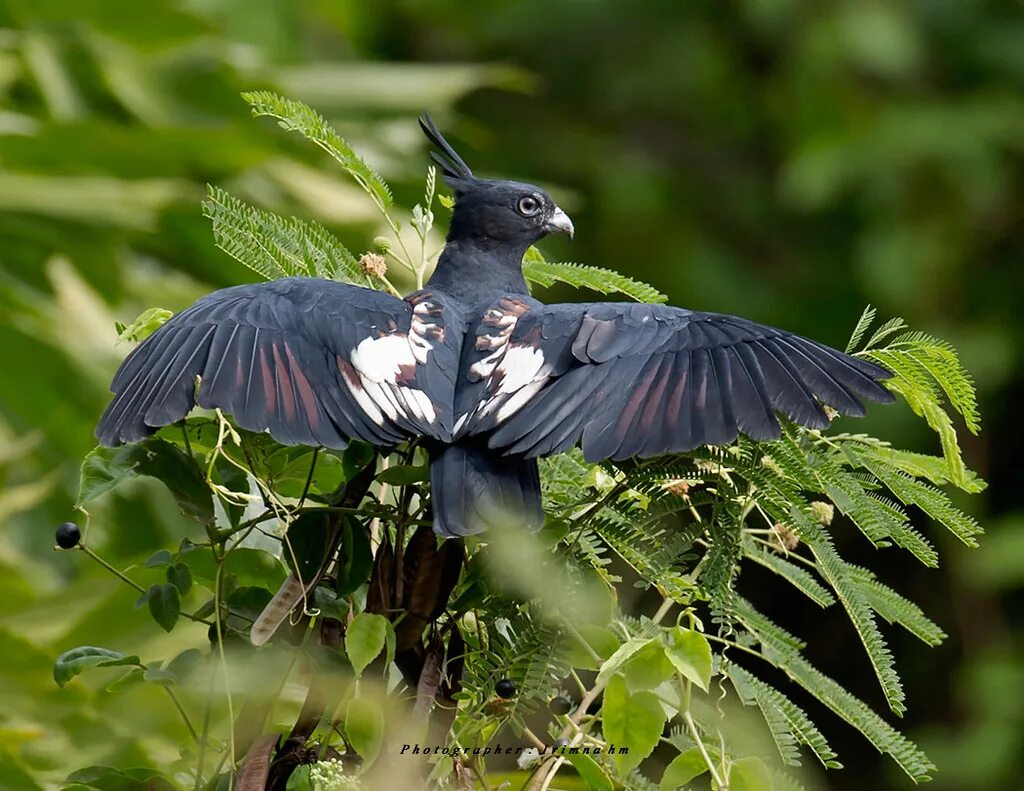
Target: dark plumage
[(492, 377)]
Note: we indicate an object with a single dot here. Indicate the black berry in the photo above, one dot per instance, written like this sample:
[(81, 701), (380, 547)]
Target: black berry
[(506, 688), (68, 535), (560, 705)]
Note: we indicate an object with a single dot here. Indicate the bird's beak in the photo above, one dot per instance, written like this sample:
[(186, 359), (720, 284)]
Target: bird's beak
[(560, 223)]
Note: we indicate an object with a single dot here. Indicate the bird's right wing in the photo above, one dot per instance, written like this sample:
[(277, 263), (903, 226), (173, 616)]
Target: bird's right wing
[(628, 380), (309, 361)]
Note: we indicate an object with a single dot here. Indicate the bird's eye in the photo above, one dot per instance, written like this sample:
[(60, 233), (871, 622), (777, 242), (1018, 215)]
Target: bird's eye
[(528, 205)]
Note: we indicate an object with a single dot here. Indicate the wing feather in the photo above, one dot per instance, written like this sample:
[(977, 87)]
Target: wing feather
[(627, 380), (309, 361)]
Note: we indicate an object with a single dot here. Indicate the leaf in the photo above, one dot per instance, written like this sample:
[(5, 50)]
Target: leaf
[(631, 720), (648, 667), (295, 116), (159, 558), (618, 659), (797, 576), (158, 676), (106, 468), (71, 663), (863, 323), (164, 605), (148, 322), (355, 558), (306, 544), (589, 770), (365, 639), (787, 722), (749, 774), (690, 654), (277, 247), (180, 577), (404, 474), (107, 778), (601, 641), (780, 649), (683, 768), (364, 726), (604, 281)]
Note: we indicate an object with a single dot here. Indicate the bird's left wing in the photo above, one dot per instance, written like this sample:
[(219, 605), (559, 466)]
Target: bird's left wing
[(310, 361), (629, 380)]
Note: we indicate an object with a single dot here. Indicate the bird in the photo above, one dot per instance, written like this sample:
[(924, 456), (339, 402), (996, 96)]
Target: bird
[(486, 376)]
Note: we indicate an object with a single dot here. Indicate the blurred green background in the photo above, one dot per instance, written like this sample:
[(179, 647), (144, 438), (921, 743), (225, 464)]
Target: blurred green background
[(786, 160)]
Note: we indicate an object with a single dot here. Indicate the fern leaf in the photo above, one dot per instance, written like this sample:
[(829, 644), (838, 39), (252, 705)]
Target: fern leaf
[(295, 116), (865, 321), (932, 501), (777, 649), (895, 608), (276, 247), (604, 281), (888, 328), (788, 723), (836, 572), (919, 465), (798, 577)]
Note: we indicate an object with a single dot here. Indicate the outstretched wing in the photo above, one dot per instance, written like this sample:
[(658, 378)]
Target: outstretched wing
[(310, 361), (641, 380)]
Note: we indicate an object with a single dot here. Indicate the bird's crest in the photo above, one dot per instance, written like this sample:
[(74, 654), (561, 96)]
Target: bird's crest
[(451, 164)]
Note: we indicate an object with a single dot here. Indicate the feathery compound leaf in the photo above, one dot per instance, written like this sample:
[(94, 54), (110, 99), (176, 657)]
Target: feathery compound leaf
[(604, 281), (866, 318), (276, 247), (888, 328), (926, 369), (788, 723), (837, 572), (895, 608), (778, 647), (298, 117), (918, 465), (877, 519), (798, 577), (940, 359), (929, 499)]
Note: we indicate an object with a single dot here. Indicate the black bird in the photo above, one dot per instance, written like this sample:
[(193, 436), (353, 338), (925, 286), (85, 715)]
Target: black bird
[(491, 377)]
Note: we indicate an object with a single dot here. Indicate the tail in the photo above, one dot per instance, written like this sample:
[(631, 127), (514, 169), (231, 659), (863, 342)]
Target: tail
[(473, 488)]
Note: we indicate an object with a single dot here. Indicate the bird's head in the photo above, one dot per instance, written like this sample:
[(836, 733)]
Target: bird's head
[(506, 212)]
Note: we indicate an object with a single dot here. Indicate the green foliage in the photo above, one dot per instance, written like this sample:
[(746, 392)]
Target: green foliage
[(603, 281), (275, 247), (298, 117)]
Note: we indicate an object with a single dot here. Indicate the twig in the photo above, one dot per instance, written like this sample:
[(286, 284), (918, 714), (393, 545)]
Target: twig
[(688, 718)]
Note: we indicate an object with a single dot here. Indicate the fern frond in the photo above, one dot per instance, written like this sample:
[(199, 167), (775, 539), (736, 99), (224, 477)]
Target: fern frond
[(837, 572), (276, 247), (919, 465), (940, 359), (604, 281), (895, 608), (295, 116), (932, 501), (887, 329), (788, 723), (924, 371), (798, 577), (865, 321), (721, 565), (777, 649), (877, 519)]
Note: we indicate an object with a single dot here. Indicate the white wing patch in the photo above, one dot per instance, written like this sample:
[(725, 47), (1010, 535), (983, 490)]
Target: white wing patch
[(513, 373), (382, 370)]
